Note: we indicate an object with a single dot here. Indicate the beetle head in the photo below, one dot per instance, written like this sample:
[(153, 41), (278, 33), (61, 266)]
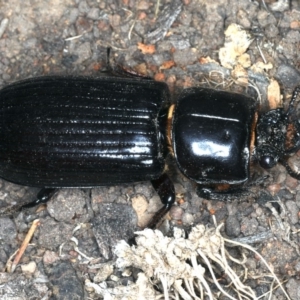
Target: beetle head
[(267, 156)]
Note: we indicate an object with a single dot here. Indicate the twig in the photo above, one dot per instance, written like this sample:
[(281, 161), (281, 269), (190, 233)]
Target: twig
[(24, 245), (157, 8), (258, 238), (74, 37), (3, 26), (260, 52)]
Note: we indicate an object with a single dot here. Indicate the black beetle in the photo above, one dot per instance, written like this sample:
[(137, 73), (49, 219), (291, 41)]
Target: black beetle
[(84, 132)]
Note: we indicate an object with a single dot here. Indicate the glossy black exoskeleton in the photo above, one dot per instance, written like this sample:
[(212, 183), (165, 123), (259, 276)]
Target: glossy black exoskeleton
[(83, 132)]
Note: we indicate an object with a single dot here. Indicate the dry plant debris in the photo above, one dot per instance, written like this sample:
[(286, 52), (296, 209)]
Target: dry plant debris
[(233, 56), (183, 268), (11, 265), (236, 44)]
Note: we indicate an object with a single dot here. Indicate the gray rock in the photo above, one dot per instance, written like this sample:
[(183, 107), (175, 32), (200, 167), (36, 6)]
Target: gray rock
[(68, 205), (8, 230), (293, 211), (249, 226), (52, 234), (74, 13), (114, 222), (232, 226), (94, 13), (65, 282)]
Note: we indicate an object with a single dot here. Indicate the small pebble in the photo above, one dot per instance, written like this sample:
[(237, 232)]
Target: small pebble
[(176, 212), (29, 268), (232, 226), (105, 270), (187, 219), (249, 226), (293, 211)]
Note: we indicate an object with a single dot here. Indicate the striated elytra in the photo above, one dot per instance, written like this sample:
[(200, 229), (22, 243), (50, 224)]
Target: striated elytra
[(84, 132)]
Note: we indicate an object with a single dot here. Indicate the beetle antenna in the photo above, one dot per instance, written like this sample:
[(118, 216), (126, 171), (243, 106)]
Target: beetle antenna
[(290, 170), (293, 125), (295, 94)]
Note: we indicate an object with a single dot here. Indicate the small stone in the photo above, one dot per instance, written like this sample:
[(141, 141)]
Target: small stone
[(271, 31), (52, 234), (114, 222), (293, 211), (65, 282), (143, 5), (187, 219), (293, 36), (105, 270), (243, 19), (297, 267), (50, 257), (293, 288), (83, 6), (127, 272), (259, 211), (30, 43), (114, 278), (291, 182), (232, 226), (274, 188), (67, 204), (288, 76), (176, 212), (83, 52), (83, 25), (6, 77), (185, 57), (8, 230), (115, 20), (179, 43), (29, 268), (74, 13), (140, 204), (251, 263), (94, 13), (264, 18), (145, 189), (249, 226), (185, 18)]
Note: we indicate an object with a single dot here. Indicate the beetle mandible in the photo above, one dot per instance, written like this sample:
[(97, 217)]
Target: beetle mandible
[(86, 132)]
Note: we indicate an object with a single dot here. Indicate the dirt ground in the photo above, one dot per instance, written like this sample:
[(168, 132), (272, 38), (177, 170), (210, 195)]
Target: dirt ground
[(177, 42)]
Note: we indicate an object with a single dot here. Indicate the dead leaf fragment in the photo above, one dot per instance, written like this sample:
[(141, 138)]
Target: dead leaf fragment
[(206, 60), (236, 43), (295, 25), (146, 49), (274, 98), (141, 69), (244, 60), (167, 65), (261, 67), (240, 75), (159, 77)]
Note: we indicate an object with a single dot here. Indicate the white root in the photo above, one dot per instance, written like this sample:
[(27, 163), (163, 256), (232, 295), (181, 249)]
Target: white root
[(175, 268)]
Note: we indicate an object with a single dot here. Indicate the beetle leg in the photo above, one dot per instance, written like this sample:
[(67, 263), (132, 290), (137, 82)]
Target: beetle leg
[(120, 71), (231, 193), (166, 191), (43, 196)]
